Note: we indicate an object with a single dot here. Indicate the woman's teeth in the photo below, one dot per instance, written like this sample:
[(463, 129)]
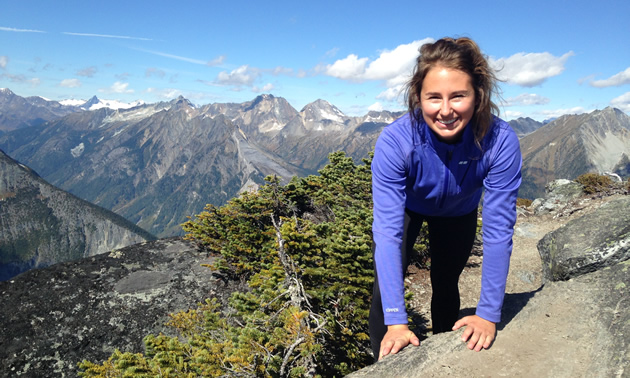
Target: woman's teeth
[(448, 122)]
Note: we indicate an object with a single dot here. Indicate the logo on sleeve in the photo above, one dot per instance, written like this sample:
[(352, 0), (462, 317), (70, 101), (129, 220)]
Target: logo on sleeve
[(391, 310)]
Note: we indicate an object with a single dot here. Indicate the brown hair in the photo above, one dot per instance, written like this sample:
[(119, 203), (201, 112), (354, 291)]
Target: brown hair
[(464, 55)]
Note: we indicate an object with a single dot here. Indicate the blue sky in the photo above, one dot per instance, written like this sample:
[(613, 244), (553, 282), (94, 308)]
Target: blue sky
[(556, 57)]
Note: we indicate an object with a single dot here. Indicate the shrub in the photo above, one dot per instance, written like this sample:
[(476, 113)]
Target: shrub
[(304, 250), (523, 202), (594, 183)]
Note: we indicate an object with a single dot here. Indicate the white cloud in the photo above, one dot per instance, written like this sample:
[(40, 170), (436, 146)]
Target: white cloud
[(117, 87), (282, 71), (621, 78), (87, 72), (332, 52), (554, 113), (350, 68), (622, 102), (165, 93), (107, 36), (510, 114), (244, 75), (216, 61), (70, 83), (4, 60), (391, 94), (530, 69), (526, 99), (394, 66), (395, 63), (177, 57), (377, 107), (2, 28), (266, 88), (152, 71)]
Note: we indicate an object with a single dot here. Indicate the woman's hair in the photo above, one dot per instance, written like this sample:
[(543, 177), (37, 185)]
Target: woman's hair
[(464, 55)]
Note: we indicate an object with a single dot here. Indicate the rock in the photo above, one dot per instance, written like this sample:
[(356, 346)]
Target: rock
[(575, 328), (53, 318), (558, 194), (588, 243)]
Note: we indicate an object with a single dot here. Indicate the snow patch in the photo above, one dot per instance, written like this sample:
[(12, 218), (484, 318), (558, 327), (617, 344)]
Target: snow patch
[(330, 116), (72, 102), (78, 150)]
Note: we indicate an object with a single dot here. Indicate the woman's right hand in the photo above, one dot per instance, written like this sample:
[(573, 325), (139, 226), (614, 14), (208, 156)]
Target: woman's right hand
[(397, 337)]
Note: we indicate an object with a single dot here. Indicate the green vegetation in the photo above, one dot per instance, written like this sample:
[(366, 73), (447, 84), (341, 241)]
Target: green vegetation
[(594, 183), (304, 250)]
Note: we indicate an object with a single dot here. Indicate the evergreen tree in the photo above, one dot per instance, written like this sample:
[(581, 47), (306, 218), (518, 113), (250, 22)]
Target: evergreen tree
[(304, 250)]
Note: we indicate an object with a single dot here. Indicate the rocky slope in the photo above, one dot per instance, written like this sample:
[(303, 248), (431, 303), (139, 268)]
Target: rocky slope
[(53, 318), (573, 145), (570, 328), (41, 225), (17, 112)]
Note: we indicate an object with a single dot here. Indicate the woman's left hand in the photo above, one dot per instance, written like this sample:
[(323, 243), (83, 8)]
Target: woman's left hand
[(479, 332)]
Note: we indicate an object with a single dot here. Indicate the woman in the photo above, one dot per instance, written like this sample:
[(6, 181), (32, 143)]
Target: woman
[(432, 164)]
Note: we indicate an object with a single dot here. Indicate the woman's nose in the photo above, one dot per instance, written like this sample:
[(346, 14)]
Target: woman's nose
[(445, 109)]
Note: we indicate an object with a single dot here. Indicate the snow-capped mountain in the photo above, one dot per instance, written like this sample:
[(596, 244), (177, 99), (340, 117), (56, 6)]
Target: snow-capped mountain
[(95, 103)]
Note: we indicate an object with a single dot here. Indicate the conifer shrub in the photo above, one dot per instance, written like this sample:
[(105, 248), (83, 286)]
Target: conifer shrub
[(594, 183), (523, 202), (304, 250)]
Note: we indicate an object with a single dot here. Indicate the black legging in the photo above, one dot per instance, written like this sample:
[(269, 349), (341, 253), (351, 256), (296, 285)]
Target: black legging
[(450, 243)]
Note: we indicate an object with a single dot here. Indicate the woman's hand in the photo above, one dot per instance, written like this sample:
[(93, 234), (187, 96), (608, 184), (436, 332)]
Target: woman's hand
[(479, 332), (397, 337)]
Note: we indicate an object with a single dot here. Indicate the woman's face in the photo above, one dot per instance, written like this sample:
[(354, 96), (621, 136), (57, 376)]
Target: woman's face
[(447, 101)]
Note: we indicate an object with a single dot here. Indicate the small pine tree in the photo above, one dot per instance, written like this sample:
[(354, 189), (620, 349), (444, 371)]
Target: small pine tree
[(304, 250)]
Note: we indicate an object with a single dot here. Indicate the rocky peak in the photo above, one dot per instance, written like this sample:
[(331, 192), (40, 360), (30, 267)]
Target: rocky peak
[(322, 110), (524, 125), (264, 114), (89, 103)]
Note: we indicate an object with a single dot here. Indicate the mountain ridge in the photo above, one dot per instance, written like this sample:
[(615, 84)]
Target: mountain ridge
[(132, 160), (43, 225)]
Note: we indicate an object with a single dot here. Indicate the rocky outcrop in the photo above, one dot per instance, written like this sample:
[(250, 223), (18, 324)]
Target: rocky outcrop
[(575, 325), (53, 318), (589, 243)]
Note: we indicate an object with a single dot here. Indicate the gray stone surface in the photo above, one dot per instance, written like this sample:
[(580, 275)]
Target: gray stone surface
[(588, 243), (52, 318), (575, 325), (575, 328)]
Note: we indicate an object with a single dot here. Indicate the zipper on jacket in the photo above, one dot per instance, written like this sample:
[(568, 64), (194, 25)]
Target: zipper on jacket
[(449, 156)]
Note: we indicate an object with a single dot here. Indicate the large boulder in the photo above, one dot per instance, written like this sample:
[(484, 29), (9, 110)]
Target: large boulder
[(53, 318), (575, 328), (588, 243)]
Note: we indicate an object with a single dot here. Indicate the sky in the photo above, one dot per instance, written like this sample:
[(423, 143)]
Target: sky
[(553, 57)]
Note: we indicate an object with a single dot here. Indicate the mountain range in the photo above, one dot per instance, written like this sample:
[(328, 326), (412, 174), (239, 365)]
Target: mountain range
[(156, 164), (41, 225)]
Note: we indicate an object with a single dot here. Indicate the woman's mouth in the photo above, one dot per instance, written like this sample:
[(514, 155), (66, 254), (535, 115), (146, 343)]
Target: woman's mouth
[(449, 122)]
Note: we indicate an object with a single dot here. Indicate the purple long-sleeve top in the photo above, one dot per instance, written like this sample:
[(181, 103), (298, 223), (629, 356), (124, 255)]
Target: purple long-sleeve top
[(413, 169)]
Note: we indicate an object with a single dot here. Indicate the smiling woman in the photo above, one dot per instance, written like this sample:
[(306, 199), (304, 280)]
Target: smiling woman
[(431, 165), (447, 102)]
